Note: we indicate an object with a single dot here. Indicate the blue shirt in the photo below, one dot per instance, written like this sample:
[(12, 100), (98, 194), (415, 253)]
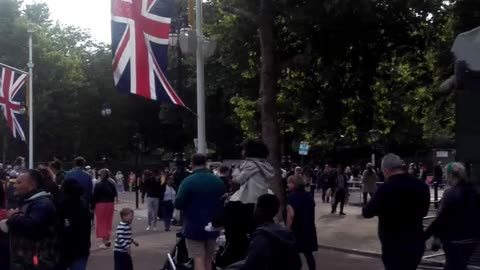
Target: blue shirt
[(84, 179)]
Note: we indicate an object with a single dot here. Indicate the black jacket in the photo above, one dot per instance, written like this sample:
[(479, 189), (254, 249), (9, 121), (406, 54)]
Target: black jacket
[(272, 247), (75, 229), (400, 203), (152, 188), (459, 215), (105, 191)]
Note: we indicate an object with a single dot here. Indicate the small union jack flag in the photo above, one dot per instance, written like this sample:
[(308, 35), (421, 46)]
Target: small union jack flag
[(11, 97), (140, 30)]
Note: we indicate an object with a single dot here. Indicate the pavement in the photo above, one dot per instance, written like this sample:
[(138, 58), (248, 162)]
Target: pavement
[(344, 240)]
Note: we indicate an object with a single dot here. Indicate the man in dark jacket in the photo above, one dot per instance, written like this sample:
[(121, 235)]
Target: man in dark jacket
[(200, 198), (82, 177), (273, 246), (400, 204), (74, 214), (32, 227)]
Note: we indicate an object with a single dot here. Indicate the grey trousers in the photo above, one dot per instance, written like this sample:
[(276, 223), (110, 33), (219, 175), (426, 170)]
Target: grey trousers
[(152, 208)]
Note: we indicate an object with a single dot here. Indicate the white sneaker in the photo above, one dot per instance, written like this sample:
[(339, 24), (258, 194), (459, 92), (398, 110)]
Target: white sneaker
[(148, 228)]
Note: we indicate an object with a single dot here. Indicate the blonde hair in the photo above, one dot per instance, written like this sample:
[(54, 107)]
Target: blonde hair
[(297, 181)]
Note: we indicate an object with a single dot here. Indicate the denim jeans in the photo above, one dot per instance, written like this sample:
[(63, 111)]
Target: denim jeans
[(152, 206)]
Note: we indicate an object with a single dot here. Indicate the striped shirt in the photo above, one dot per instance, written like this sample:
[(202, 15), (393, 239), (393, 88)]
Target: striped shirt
[(124, 237)]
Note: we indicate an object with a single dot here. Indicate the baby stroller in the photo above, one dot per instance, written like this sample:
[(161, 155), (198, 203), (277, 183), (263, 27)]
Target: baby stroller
[(178, 258)]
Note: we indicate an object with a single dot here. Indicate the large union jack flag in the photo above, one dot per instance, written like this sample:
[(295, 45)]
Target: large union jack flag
[(140, 31), (11, 97)]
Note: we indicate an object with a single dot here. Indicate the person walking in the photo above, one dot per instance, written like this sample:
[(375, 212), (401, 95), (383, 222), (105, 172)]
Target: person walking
[(340, 191), (56, 167), (369, 182), (132, 180), (82, 177), (49, 183), (122, 258), (400, 203), (74, 215), (200, 198), (120, 179), (437, 179), (458, 219), (168, 199), (301, 219), (253, 176), (326, 183), (273, 245), (32, 226), (152, 189), (103, 201)]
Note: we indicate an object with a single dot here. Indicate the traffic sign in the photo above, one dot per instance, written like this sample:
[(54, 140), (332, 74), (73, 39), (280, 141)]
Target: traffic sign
[(303, 149)]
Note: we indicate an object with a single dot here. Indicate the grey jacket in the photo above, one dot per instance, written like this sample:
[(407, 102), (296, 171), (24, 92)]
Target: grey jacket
[(253, 176)]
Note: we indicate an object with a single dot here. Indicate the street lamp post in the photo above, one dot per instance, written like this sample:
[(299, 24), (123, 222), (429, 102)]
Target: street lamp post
[(374, 137), (138, 145), (30, 65)]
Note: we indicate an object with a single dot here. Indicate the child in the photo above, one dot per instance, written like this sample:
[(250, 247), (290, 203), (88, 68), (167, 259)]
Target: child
[(121, 255)]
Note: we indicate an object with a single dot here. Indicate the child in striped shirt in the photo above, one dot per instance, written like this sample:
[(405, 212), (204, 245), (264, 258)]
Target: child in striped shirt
[(122, 254)]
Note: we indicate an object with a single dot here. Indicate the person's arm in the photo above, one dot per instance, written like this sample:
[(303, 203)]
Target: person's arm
[(290, 216), (182, 195), (373, 207), (35, 222), (443, 214), (259, 255), (240, 176)]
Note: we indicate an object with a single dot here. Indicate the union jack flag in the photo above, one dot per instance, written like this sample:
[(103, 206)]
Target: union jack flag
[(11, 97), (140, 30)]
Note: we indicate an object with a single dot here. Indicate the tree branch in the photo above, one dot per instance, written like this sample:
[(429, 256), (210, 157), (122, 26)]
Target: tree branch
[(240, 12)]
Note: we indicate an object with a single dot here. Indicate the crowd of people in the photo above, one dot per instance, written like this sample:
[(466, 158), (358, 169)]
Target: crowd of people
[(47, 214)]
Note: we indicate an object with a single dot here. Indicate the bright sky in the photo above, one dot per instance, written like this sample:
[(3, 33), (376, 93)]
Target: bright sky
[(92, 15)]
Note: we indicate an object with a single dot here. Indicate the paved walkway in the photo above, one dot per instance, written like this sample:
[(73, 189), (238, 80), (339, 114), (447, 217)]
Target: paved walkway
[(351, 232)]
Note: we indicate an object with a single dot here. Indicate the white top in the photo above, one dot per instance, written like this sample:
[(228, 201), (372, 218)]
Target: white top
[(170, 194)]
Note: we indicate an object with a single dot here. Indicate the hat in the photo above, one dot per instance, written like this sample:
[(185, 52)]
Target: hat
[(13, 173), (88, 167)]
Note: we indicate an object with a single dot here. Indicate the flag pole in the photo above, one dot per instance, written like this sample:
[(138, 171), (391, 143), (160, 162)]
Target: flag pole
[(30, 96), (202, 137)]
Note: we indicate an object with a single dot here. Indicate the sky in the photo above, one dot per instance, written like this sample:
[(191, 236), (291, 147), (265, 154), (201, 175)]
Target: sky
[(91, 15)]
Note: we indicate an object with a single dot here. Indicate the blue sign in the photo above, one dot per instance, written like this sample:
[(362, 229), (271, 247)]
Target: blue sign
[(303, 149)]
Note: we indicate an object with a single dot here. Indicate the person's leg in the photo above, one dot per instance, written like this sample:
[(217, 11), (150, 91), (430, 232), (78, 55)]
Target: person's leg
[(210, 247), (197, 251), (324, 193), (167, 214), (335, 203), (310, 260), (342, 198), (365, 198), (79, 264), (155, 204), (150, 212)]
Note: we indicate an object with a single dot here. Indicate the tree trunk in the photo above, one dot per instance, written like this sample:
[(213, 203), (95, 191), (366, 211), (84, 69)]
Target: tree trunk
[(268, 95)]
